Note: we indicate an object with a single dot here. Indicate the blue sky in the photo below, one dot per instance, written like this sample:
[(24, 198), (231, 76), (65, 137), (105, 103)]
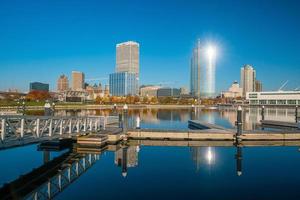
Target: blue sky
[(39, 40)]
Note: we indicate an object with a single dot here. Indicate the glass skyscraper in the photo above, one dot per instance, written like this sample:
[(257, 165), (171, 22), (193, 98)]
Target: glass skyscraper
[(123, 84), (202, 77), (195, 71)]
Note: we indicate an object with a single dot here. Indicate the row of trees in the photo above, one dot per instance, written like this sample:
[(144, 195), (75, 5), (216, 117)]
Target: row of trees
[(43, 95)]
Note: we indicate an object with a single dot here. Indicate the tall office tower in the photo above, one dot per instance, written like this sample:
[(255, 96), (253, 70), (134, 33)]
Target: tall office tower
[(258, 86), (77, 81), (123, 84), (127, 58), (195, 71), (248, 77), (62, 83)]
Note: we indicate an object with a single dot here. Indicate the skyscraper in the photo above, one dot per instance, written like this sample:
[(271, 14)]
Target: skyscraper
[(195, 71), (127, 58), (248, 77), (202, 75), (258, 86), (62, 83), (123, 84), (125, 81), (77, 81)]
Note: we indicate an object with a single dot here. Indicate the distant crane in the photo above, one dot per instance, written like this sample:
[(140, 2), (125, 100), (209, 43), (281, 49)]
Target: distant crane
[(282, 86)]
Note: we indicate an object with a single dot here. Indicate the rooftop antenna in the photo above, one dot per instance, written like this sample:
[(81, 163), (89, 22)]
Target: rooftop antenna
[(282, 86)]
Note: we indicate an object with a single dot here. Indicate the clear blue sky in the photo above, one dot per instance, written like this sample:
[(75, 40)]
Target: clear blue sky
[(39, 40)]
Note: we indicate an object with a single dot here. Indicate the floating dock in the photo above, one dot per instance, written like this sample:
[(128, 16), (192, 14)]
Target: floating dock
[(280, 124)]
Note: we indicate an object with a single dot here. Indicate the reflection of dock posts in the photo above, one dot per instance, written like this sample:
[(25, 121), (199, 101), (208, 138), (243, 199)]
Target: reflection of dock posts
[(46, 156), (239, 123), (193, 113), (238, 158), (120, 121), (296, 114), (138, 122), (124, 161), (263, 113), (125, 114)]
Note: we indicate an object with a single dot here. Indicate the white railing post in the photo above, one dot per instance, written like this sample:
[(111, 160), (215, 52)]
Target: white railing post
[(50, 127), (3, 129), (104, 123), (22, 127), (38, 127), (61, 127), (70, 126), (96, 124), (84, 124), (91, 124), (78, 126)]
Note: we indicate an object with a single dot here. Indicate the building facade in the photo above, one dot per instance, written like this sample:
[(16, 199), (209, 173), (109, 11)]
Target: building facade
[(123, 84), (37, 86), (258, 86), (127, 58), (168, 92), (77, 81), (149, 91), (62, 83), (248, 77), (290, 98), (234, 91), (195, 71)]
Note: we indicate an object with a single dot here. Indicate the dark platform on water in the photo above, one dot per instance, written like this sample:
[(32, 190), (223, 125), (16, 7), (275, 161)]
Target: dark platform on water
[(280, 124)]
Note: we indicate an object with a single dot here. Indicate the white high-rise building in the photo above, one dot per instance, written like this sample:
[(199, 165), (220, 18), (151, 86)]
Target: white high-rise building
[(248, 77), (127, 58)]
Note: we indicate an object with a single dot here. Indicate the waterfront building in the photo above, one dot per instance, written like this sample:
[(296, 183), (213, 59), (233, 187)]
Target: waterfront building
[(168, 92), (248, 77), (62, 83), (258, 86), (234, 91), (195, 71), (127, 58), (282, 98), (123, 84), (37, 86), (184, 91), (94, 91), (77, 81), (149, 91)]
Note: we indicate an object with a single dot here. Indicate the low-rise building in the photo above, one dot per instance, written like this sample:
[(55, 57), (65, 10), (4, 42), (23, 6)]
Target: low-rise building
[(282, 98), (168, 92), (233, 92), (149, 91)]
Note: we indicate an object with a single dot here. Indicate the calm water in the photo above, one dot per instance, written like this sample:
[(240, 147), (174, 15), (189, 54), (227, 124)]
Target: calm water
[(159, 172)]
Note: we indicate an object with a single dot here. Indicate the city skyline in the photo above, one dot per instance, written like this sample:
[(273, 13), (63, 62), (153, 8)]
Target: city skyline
[(88, 44)]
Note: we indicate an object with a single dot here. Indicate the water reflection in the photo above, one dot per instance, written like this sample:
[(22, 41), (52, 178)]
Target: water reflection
[(51, 178), (177, 118)]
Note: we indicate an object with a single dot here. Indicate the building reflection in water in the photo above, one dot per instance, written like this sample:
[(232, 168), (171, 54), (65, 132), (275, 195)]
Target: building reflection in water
[(203, 155), (127, 157)]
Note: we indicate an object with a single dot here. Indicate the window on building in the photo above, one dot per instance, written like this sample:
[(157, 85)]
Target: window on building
[(291, 102), (253, 102), (272, 102), (262, 102), (281, 102)]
